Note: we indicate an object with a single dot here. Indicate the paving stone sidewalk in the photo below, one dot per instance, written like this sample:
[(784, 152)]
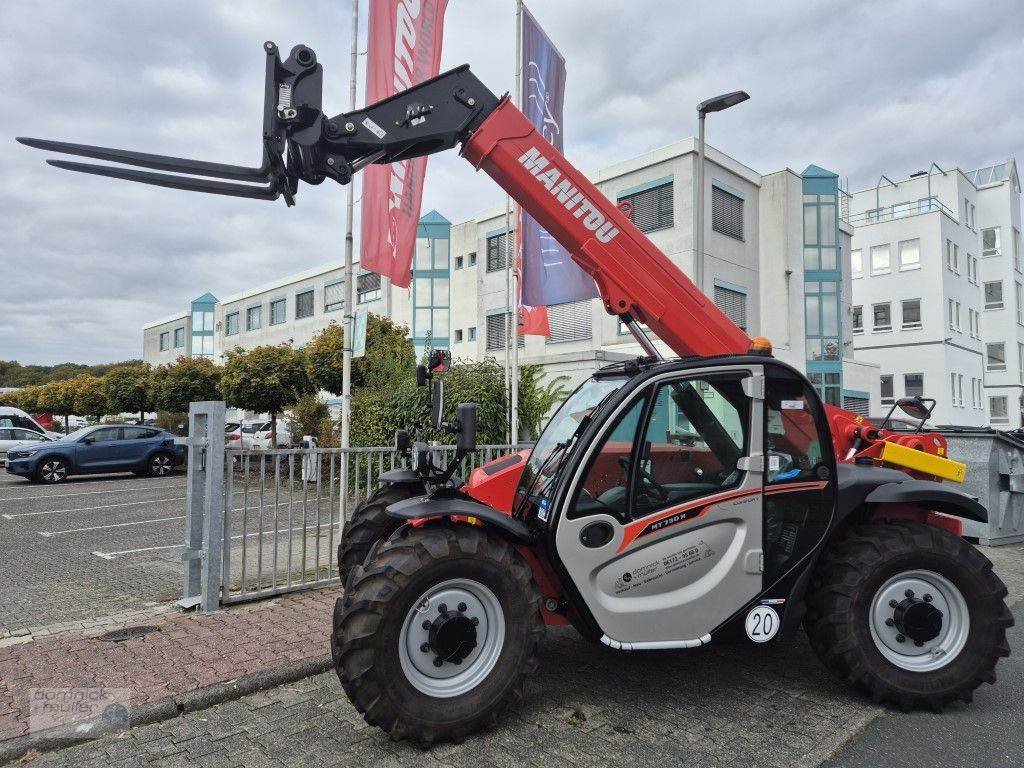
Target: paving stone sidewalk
[(186, 652)]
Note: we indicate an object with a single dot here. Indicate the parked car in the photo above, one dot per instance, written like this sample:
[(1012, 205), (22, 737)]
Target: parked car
[(255, 435), (99, 449), (233, 434), (15, 417), (12, 436)]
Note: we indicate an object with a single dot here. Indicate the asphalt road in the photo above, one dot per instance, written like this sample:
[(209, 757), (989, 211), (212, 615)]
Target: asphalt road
[(989, 732)]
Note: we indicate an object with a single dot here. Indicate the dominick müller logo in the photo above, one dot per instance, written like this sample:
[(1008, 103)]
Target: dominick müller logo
[(568, 195), (77, 713)]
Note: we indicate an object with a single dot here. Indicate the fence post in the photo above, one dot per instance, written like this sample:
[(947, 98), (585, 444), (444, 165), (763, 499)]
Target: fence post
[(204, 518)]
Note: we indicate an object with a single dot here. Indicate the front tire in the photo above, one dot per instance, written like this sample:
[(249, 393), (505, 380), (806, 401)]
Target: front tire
[(53, 470), (369, 524), (436, 632), (908, 613)]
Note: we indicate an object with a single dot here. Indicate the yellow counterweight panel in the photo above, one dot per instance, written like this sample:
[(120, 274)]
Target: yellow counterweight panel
[(920, 461)]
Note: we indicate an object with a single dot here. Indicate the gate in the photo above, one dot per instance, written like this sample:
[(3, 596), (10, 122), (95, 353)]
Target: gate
[(261, 523)]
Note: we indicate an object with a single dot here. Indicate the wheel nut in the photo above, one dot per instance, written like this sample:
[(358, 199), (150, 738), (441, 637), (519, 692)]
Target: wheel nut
[(437, 661), (918, 643), (889, 622), (927, 598), (893, 604), (462, 607), (475, 621), (425, 647), (427, 625), (900, 639), (909, 593), (456, 661), (442, 608)]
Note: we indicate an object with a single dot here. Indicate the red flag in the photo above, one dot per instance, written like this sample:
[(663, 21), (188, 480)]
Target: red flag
[(533, 321), (404, 50)]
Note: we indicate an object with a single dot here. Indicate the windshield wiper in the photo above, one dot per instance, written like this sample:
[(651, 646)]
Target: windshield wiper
[(560, 450)]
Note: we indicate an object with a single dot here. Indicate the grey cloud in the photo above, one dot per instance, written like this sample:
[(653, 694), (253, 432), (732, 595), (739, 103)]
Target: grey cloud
[(857, 87)]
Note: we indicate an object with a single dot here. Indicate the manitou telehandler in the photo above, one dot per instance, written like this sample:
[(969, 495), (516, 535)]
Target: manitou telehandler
[(668, 503)]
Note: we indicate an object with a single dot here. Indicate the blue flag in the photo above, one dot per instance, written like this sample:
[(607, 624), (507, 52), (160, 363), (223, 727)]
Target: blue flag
[(549, 275)]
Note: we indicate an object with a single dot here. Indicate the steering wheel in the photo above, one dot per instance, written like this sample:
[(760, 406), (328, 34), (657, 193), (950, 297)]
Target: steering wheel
[(646, 478)]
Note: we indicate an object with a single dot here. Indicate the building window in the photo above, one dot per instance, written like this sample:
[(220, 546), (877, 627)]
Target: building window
[(885, 382), (458, 335), (858, 319), (726, 213), (997, 410), (954, 315), (882, 317), (910, 254), (913, 384), (821, 320), (1016, 249), (570, 322), (856, 263), (1017, 303), (458, 262), (651, 209), (733, 303), (972, 269), (499, 247), (911, 311), (990, 241), (994, 294), (472, 333), (497, 327), (253, 318), (1020, 362), (952, 257), (278, 311), (303, 305), (165, 341), (179, 337), (334, 296), (880, 259), (231, 324), (972, 216), (367, 287), (472, 259), (995, 356)]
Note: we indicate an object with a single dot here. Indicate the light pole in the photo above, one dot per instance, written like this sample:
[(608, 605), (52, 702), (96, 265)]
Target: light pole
[(716, 104)]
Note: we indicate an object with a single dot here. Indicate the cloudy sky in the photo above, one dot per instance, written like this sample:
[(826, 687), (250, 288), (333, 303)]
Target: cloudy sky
[(857, 87)]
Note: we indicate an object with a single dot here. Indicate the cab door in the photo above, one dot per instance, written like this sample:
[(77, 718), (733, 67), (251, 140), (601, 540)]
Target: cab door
[(661, 530)]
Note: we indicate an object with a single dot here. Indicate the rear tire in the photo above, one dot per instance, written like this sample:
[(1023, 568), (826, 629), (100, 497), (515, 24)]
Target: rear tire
[(160, 465), (53, 470), (387, 658), (909, 614), (369, 524)]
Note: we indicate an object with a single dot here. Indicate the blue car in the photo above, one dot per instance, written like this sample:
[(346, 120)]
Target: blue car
[(100, 449)]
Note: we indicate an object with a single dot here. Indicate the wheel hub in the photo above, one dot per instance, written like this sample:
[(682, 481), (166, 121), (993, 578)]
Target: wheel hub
[(452, 635), (919, 620)]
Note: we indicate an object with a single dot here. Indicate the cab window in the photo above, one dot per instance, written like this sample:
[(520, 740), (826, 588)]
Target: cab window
[(605, 485)]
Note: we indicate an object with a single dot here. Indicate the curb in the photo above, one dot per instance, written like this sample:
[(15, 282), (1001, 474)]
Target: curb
[(53, 739)]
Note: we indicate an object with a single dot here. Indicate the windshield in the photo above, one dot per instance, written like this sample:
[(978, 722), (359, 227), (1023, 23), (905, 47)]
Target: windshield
[(542, 465)]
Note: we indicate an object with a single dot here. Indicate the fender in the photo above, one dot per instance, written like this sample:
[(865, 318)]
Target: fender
[(399, 477), (425, 507), (933, 496)]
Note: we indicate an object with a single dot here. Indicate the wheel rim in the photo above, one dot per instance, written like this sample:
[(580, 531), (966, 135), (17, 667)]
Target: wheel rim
[(161, 465), (439, 625), (919, 621), (54, 471)]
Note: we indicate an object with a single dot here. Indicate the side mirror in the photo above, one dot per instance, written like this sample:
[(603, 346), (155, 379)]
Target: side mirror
[(465, 442), (916, 407), (437, 404), (88, 440), (402, 441), (440, 361), (421, 376)]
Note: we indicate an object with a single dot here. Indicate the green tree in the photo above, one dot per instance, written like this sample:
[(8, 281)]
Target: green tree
[(58, 397), (90, 395), (265, 380), (187, 380), (536, 399), (389, 356), (27, 398), (127, 388), (311, 416)]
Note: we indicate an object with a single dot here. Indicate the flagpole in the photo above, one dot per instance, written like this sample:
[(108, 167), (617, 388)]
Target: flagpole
[(514, 378), (349, 324)]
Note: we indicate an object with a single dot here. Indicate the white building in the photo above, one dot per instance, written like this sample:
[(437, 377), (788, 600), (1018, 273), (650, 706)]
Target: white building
[(937, 288), (774, 248)]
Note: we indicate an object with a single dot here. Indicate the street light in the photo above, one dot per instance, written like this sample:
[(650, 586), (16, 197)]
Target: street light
[(716, 104)]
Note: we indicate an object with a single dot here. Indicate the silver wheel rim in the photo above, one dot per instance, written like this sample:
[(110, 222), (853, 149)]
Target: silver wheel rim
[(54, 471), (452, 679), (932, 654), (161, 465)]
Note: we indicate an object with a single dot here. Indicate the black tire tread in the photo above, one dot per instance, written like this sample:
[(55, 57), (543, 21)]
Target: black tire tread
[(376, 582), (834, 588), (369, 524)]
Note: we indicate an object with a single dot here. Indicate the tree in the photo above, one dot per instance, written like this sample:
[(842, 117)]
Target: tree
[(187, 380), (27, 399), (536, 399), (311, 416), (266, 380), (389, 357), (58, 397), (90, 395), (127, 388)]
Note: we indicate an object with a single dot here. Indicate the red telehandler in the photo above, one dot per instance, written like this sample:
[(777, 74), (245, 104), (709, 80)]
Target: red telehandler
[(668, 503)]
